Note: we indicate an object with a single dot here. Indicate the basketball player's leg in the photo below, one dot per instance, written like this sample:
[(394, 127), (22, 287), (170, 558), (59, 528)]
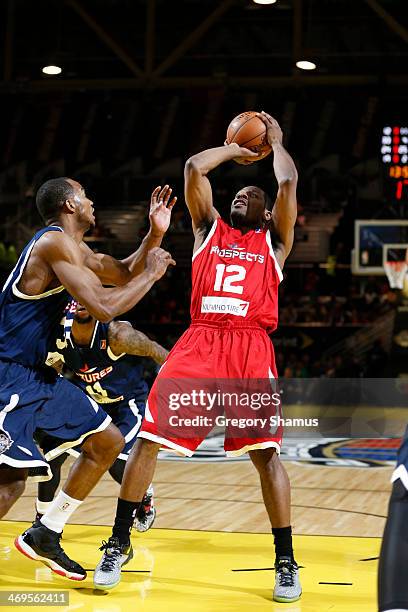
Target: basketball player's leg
[(276, 495), (157, 430), (99, 451), (82, 420), (128, 417), (275, 487), (12, 485), (47, 489), (392, 568), (263, 448), (138, 474)]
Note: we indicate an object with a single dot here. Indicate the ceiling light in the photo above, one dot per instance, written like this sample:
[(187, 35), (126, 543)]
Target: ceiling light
[(306, 65), (52, 70), (264, 1)]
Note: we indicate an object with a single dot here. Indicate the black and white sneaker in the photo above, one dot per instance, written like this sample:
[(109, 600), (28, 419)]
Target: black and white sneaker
[(42, 544), (147, 512)]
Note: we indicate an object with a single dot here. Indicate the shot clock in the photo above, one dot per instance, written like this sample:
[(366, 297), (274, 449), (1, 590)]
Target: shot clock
[(394, 155)]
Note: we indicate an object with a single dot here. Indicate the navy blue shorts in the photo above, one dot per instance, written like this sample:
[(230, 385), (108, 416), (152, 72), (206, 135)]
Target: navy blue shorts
[(33, 399), (401, 471), (127, 415)]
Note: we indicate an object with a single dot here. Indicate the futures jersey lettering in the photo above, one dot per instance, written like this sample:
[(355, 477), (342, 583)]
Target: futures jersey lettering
[(105, 377), (236, 275)]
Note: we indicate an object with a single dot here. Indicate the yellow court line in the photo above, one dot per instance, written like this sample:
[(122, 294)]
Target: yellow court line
[(193, 571)]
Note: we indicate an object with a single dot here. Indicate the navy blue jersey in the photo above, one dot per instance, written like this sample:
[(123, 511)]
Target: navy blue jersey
[(28, 323), (105, 377)]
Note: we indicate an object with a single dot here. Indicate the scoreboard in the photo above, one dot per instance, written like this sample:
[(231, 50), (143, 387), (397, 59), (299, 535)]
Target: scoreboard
[(394, 155)]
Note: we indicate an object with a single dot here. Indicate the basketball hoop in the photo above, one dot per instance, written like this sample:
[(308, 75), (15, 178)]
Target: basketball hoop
[(396, 271)]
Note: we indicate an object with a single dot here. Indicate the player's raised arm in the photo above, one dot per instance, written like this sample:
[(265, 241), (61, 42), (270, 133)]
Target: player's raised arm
[(197, 187), (284, 211), (123, 338), (112, 271), (61, 253)]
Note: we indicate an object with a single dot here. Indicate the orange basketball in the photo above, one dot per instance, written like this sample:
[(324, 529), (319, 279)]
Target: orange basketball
[(249, 131)]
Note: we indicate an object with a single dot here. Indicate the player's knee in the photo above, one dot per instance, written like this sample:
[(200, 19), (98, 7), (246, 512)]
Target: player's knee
[(146, 448), (149, 446), (264, 459), (112, 443), (104, 446)]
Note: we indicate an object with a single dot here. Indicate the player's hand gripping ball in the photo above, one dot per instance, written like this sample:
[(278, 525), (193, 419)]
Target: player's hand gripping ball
[(250, 131)]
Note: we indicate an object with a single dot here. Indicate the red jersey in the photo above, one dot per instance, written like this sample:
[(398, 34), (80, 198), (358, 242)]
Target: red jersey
[(235, 277)]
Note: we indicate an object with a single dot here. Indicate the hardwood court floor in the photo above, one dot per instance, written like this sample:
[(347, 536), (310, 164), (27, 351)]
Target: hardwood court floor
[(211, 521), (225, 496)]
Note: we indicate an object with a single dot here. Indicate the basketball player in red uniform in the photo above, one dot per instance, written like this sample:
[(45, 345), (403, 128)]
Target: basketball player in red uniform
[(235, 277)]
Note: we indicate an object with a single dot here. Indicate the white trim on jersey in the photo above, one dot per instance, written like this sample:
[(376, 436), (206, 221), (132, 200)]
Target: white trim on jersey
[(130, 436), (26, 463), (14, 289), (206, 241), (272, 254), (400, 472), (18, 263), (62, 448), (250, 447), (186, 452), (94, 334), (112, 355), (132, 433)]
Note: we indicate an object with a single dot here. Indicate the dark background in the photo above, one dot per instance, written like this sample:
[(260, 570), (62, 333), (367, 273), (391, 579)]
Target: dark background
[(146, 83)]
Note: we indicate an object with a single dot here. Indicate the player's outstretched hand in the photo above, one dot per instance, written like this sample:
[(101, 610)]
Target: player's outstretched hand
[(241, 154), (157, 262), (160, 209), (273, 129)]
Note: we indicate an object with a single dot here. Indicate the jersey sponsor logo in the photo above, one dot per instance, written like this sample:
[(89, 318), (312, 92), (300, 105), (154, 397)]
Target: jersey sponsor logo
[(224, 305), (236, 247), (237, 253), (91, 378)]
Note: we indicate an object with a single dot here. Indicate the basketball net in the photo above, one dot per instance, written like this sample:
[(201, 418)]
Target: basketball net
[(396, 271)]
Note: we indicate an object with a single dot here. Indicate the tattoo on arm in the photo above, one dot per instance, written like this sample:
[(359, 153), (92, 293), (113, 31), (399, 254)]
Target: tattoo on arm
[(123, 338)]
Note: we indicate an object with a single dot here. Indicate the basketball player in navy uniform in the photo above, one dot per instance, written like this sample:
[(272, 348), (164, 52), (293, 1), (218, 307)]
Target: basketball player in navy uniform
[(106, 362), (54, 265), (393, 566)]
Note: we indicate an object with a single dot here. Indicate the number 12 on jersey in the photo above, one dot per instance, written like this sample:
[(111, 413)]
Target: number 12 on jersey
[(227, 276)]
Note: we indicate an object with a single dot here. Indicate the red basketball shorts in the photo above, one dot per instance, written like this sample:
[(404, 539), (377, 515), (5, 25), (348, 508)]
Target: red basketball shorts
[(217, 374)]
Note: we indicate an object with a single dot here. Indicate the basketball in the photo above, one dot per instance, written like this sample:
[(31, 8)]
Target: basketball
[(248, 130)]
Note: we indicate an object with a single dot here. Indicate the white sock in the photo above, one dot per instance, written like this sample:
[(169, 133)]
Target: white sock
[(41, 506), (59, 511)]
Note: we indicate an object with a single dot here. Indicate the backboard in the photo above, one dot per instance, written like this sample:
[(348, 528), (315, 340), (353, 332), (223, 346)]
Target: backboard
[(376, 241)]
